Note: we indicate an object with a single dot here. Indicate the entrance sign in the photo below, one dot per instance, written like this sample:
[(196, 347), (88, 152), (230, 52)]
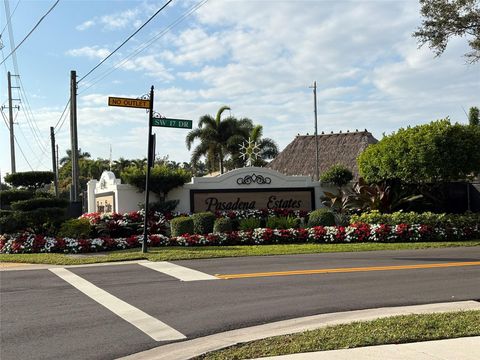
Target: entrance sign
[(172, 123), (126, 102), (252, 199)]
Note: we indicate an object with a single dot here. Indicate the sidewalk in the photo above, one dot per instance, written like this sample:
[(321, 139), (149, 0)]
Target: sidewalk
[(452, 349), (185, 350)]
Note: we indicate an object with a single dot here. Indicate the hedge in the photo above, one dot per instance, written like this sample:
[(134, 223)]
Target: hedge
[(427, 218), (181, 225), (33, 204), (321, 217), (9, 196), (30, 179), (203, 222), (356, 233)]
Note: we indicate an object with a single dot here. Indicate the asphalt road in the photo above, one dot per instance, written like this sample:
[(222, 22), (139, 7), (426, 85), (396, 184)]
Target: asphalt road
[(44, 317)]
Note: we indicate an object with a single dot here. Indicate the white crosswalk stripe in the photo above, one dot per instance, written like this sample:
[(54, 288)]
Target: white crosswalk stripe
[(151, 326), (177, 271)]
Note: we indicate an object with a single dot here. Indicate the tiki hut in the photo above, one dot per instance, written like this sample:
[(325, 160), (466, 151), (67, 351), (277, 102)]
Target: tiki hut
[(298, 158)]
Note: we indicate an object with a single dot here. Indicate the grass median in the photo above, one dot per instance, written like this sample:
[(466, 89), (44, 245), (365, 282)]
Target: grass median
[(207, 252), (392, 330)]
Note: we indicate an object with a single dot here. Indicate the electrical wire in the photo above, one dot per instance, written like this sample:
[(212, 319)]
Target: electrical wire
[(61, 116), (124, 42), (16, 141), (10, 17), (145, 45), (31, 31), (60, 127)]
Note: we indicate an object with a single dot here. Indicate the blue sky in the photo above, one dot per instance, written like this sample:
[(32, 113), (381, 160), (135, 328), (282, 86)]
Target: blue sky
[(258, 57)]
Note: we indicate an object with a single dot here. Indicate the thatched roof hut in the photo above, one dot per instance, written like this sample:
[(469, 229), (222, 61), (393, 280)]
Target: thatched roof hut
[(298, 158)]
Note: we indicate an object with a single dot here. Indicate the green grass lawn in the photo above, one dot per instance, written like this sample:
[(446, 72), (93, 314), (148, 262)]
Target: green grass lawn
[(183, 253), (392, 330)]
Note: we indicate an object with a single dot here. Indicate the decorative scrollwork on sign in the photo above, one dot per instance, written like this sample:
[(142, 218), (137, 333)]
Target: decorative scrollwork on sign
[(157, 115), (250, 179), (144, 97)]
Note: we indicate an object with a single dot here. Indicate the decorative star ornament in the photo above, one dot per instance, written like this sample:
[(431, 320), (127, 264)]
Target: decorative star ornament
[(249, 151)]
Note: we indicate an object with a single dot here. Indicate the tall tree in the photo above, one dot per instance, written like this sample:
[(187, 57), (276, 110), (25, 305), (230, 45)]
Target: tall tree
[(214, 135), (81, 155), (443, 19), (473, 116)]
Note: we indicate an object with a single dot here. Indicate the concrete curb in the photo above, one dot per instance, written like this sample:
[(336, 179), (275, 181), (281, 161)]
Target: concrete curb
[(185, 350), (6, 266)]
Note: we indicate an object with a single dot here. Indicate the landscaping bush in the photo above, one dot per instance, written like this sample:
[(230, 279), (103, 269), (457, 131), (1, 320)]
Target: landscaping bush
[(181, 225), (321, 217), (338, 175), (222, 225), (42, 220), (426, 218), (249, 224), (203, 222), (278, 222), (76, 229), (30, 179), (9, 196), (33, 204), (8, 222)]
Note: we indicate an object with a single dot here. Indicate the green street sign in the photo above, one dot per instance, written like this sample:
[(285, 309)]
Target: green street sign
[(173, 123)]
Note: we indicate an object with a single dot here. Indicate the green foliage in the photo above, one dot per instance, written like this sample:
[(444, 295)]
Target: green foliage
[(321, 217), (282, 222), (338, 175), (181, 225), (426, 218), (30, 179), (222, 225), (32, 204), (203, 222), (162, 178), (430, 153), (473, 116), (443, 19), (8, 222), (76, 229), (40, 221), (9, 196), (249, 224)]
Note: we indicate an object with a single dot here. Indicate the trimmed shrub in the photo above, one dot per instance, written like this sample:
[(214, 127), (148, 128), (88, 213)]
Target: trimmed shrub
[(8, 222), (33, 204), (41, 221), (9, 196), (203, 222), (222, 225), (30, 179), (181, 225), (338, 175), (277, 222), (249, 224), (321, 217), (426, 218), (76, 229)]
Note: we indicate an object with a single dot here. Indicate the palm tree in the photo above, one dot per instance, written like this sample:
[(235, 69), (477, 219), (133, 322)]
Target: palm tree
[(268, 147), (215, 135), (65, 159), (120, 164)]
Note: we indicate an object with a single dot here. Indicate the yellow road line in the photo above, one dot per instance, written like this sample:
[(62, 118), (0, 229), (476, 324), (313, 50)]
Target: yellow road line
[(347, 270)]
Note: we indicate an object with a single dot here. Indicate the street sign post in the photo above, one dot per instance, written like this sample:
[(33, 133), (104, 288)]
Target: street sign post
[(172, 123), (154, 119), (126, 102)]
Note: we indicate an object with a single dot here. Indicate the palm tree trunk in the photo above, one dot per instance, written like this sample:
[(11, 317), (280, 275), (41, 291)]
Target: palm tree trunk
[(221, 161)]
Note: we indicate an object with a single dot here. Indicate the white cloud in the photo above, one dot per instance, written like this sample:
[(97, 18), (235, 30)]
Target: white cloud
[(85, 25), (150, 66), (92, 52), (120, 20)]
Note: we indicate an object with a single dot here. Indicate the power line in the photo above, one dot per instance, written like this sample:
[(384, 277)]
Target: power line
[(123, 43), (10, 17), (146, 44), (63, 121), (61, 116), (31, 31), (19, 147)]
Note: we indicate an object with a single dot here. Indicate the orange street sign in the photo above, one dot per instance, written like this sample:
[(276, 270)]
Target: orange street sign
[(125, 102)]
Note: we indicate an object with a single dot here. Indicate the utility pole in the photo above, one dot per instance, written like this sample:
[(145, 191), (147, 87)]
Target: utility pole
[(10, 116), (317, 173), (73, 135), (54, 161)]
